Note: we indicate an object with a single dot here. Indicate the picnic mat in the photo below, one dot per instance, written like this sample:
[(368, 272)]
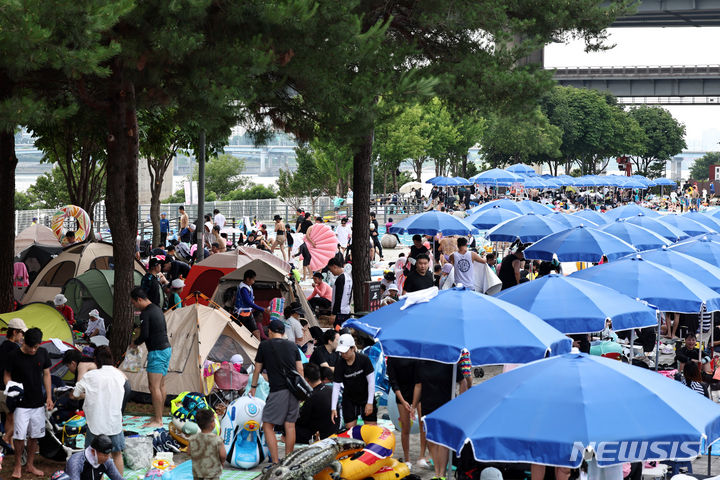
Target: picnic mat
[(228, 474), (131, 423)]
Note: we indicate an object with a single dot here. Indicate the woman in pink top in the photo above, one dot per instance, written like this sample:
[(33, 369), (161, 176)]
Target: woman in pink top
[(320, 298)]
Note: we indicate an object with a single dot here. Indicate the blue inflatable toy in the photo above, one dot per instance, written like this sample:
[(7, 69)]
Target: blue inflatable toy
[(241, 433)]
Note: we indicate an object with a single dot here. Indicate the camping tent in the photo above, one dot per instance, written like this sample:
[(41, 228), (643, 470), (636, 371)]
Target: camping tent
[(44, 317), (197, 333), (204, 276), (73, 261), (271, 282), (35, 235), (93, 289)]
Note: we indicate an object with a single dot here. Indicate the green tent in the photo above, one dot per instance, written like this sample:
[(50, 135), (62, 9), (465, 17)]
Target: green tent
[(44, 317), (93, 289)]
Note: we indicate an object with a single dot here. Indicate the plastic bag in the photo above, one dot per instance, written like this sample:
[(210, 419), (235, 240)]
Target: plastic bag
[(132, 361), (138, 452)]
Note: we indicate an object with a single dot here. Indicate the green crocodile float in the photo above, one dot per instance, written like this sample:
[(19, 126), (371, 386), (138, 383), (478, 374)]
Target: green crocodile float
[(305, 462)]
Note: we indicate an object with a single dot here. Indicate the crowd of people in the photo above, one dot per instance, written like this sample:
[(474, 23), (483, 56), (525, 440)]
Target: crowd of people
[(342, 377)]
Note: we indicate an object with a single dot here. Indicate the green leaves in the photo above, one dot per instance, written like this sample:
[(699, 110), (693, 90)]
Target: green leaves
[(700, 169)]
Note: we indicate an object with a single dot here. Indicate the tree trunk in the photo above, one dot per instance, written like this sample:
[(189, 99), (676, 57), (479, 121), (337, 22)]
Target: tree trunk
[(464, 165), (361, 217), (395, 180), (385, 183), (122, 201), (8, 162), (156, 179)]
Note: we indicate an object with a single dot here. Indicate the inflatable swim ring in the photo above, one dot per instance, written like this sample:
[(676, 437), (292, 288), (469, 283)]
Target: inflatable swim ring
[(374, 459), (83, 223)]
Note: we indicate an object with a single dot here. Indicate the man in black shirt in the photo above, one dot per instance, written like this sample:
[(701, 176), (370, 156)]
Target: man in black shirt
[(354, 371), (375, 235), (13, 338), (307, 223), (315, 412), (421, 277), (30, 365), (300, 219), (151, 284), (417, 247), (325, 355), (433, 389), (173, 269), (153, 333), (278, 356)]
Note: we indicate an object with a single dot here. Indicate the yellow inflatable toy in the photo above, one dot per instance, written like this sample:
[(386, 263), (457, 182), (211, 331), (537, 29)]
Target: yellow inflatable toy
[(83, 223), (374, 461)]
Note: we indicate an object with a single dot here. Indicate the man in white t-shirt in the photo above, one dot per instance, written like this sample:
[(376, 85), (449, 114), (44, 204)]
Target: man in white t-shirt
[(104, 389), (343, 233), (219, 219)]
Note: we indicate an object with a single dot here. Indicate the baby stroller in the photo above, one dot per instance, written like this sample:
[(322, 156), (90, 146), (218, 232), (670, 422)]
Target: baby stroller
[(62, 425)]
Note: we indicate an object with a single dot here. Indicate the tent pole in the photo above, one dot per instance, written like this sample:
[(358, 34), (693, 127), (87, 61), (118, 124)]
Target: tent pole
[(657, 339), (632, 345)]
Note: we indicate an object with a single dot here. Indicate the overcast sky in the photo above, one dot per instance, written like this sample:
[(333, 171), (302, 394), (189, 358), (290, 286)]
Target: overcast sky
[(657, 46)]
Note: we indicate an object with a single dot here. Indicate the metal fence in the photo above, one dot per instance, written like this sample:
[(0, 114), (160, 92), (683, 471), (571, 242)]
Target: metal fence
[(234, 211)]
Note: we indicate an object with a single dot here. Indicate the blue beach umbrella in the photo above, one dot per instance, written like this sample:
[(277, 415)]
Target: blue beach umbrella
[(637, 236), (489, 217), (435, 180), (593, 216), (461, 181), (505, 203), (571, 220), (648, 182), (431, 223), (660, 286), (496, 176), (663, 229), (550, 411), (685, 224), (620, 181), (700, 270), (703, 248), (529, 206), (579, 244), (665, 182), (709, 221), (528, 228), (630, 210), (493, 331), (573, 305), (521, 168)]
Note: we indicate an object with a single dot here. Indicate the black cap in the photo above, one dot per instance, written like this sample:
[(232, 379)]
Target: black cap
[(102, 444), (276, 326), (297, 308)]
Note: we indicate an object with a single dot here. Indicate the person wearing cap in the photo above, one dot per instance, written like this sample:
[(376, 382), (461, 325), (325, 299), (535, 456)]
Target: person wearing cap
[(30, 366), (391, 296), (355, 373), (293, 329), (96, 324), (344, 234), (13, 338), (150, 282), (153, 333), (61, 306), (176, 287), (321, 296), (277, 356), (93, 462), (173, 268), (103, 390), (342, 292)]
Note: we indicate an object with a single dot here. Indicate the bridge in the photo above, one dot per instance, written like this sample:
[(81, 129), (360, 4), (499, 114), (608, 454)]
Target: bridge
[(675, 84), (673, 13)]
